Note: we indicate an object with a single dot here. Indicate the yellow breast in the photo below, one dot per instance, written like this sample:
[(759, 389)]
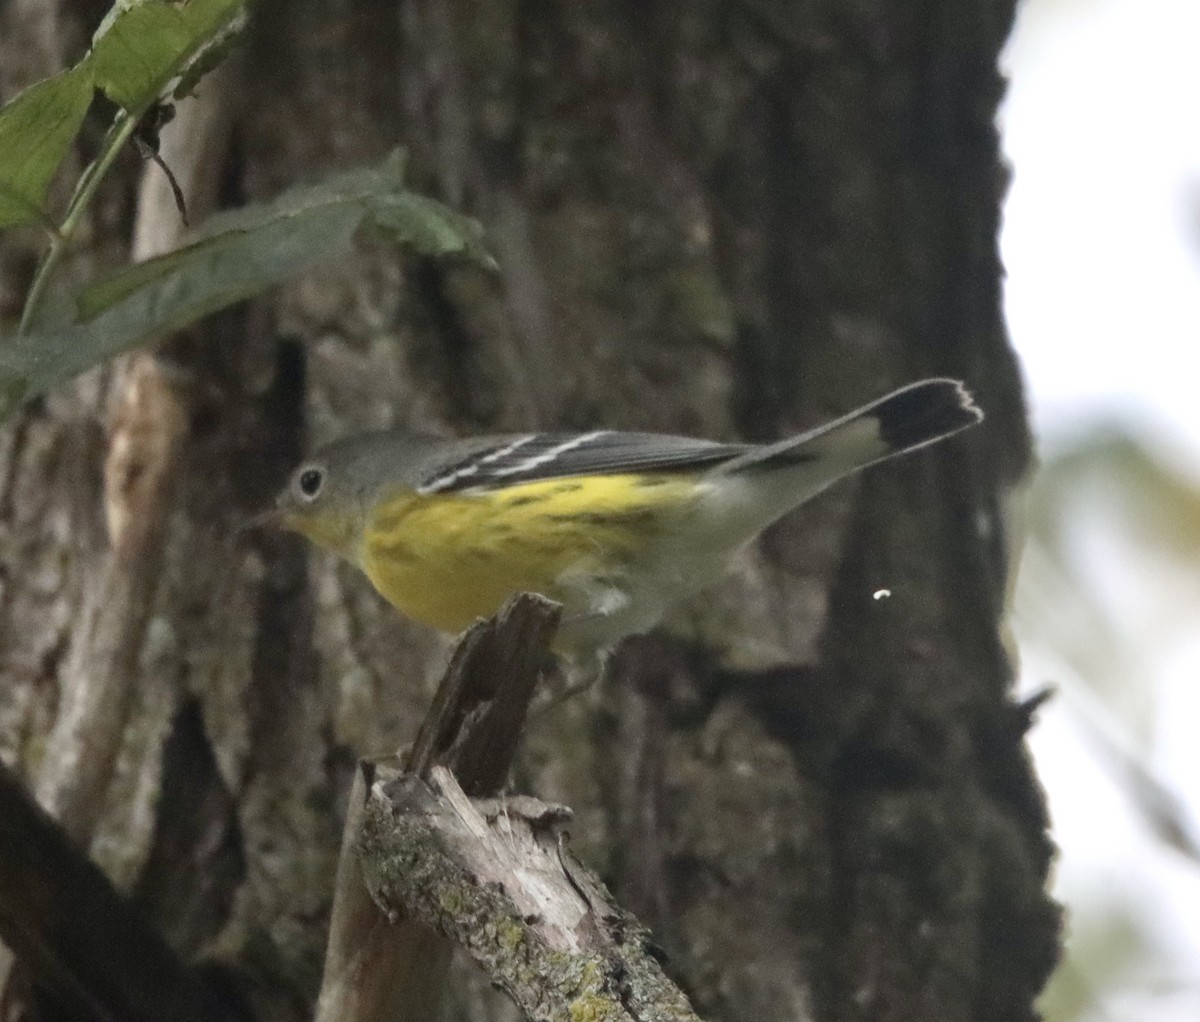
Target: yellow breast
[(446, 559)]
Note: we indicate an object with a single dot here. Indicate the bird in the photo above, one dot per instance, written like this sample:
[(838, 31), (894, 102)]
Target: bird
[(618, 527)]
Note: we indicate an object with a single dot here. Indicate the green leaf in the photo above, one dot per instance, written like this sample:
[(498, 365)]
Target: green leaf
[(234, 256), (430, 228), (142, 48), (36, 130)]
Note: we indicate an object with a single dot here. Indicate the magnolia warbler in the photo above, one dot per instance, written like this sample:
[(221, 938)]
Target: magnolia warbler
[(617, 527)]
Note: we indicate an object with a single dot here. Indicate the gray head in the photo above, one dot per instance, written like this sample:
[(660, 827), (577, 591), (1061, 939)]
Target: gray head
[(330, 494)]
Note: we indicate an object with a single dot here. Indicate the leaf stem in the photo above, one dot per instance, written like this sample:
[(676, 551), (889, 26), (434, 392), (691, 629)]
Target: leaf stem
[(123, 126)]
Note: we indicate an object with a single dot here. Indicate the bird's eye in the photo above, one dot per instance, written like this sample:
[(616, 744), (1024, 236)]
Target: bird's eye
[(310, 482)]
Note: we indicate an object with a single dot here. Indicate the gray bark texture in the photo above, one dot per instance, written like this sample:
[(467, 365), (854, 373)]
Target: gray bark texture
[(718, 218)]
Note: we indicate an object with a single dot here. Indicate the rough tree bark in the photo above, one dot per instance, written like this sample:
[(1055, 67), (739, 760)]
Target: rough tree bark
[(722, 218)]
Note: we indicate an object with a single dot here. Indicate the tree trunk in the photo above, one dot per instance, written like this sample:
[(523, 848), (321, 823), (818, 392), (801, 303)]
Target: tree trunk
[(723, 219)]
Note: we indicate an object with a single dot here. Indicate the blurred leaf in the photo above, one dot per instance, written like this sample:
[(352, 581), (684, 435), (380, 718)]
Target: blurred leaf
[(234, 256), (430, 228), (1157, 504), (1110, 571), (1162, 810), (1103, 949), (36, 131), (143, 46)]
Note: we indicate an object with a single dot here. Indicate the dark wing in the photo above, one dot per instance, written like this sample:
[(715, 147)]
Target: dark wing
[(513, 460)]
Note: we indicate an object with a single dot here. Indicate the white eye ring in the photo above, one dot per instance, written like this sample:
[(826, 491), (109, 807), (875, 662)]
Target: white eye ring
[(309, 482)]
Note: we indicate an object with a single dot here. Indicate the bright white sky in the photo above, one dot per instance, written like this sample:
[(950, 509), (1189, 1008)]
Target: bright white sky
[(1102, 126)]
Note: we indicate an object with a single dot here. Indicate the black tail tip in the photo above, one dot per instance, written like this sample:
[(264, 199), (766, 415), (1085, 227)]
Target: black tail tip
[(925, 412)]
